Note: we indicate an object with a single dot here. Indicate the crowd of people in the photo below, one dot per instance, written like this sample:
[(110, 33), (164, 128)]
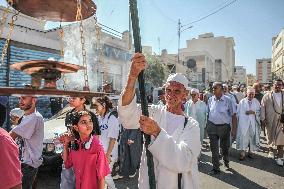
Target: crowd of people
[(104, 143)]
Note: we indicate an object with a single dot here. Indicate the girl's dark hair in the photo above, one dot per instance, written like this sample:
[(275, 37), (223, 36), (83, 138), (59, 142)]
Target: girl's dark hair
[(105, 102), (75, 120)]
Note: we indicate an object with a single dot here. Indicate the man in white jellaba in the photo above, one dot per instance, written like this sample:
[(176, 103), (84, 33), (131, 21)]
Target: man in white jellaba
[(248, 132), (175, 143)]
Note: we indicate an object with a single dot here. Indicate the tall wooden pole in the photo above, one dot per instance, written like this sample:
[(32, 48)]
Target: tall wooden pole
[(141, 82)]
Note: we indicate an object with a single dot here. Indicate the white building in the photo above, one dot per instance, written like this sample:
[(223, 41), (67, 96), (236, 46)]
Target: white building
[(240, 75), (205, 70), (220, 48), (263, 70), (278, 55), (29, 30)]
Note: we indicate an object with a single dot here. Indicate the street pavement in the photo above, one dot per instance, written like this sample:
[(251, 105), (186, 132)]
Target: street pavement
[(258, 173)]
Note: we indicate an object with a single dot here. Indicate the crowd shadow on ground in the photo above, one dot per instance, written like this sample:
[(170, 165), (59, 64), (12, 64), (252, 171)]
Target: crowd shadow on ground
[(230, 176), (259, 161)]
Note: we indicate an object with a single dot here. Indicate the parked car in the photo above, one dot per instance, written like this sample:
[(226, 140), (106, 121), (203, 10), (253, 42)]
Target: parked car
[(55, 124)]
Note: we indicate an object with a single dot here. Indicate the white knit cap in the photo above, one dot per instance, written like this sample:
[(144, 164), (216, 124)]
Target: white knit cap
[(225, 85), (178, 77), (194, 90), (250, 90), (17, 112)]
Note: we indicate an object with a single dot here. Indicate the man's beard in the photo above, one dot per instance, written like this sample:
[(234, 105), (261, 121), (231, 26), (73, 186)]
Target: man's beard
[(277, 90), (27, 107)]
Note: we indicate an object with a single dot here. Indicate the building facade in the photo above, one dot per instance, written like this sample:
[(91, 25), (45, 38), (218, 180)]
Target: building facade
[(204, 70), (204, 60), (29, 41), (240, 75), (220, 48), (251, 79), (107, 56), (263, 70), (278, 55)]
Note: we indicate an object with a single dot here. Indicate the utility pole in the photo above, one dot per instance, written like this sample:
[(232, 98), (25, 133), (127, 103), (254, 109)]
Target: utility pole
[(159, 43), (179, 31), (180, 27)]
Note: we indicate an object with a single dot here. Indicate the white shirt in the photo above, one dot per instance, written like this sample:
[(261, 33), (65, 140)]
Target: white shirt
[(172, 121), (109, 127), (31, 131), (278, 98)]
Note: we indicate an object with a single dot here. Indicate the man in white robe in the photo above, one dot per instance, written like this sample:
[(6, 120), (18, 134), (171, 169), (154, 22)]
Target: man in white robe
[(197, 109), (175, 143), (248, 131)]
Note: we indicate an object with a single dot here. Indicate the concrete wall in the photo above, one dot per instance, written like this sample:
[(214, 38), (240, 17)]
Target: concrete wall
[(31, 31), (220, 48), (108, 57), (278, 54)]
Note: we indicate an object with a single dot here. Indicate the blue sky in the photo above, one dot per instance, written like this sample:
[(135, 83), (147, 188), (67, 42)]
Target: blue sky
[(252, 23)]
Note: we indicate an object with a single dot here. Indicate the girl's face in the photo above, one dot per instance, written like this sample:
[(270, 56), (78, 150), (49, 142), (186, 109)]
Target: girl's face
[(85, 125), (76, 101), (100, 109)]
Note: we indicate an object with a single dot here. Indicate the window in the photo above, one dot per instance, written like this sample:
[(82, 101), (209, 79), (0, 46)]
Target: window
[(278, 43)]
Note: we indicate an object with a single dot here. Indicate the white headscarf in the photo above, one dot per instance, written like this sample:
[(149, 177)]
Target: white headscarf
[(194, 90)]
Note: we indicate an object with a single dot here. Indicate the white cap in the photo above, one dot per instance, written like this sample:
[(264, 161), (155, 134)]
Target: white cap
[(250, 90), (178, 77), (194, 90), (17, 112), (225, 85)]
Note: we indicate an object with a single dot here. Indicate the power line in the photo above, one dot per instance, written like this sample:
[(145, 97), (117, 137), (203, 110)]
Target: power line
[(161, 12), (170, 41), (216, 11), (109, 28)]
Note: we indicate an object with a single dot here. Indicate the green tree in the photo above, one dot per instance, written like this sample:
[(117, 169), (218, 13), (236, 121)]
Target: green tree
[(155, 72)]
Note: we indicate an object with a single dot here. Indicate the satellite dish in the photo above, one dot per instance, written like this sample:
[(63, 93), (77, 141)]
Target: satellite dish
[(191, 63)]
